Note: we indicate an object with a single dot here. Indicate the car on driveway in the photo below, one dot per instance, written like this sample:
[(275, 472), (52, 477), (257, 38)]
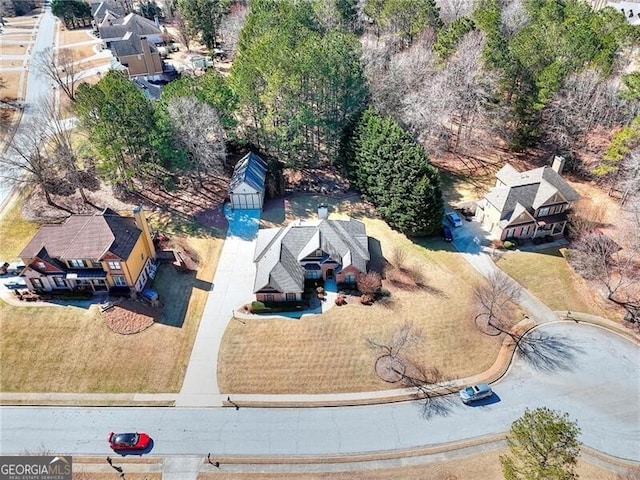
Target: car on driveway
[(475, 392), (128, 441), (454, 219), (447, 236)]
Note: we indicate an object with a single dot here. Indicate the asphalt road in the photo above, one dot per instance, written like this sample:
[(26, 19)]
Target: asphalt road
[(586, 371), (38, 86)]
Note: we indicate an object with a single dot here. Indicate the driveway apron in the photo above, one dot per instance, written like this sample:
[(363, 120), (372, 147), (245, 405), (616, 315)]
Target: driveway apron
[(232, 286)]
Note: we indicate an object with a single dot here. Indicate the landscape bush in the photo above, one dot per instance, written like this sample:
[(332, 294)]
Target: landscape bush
[(258, 307)]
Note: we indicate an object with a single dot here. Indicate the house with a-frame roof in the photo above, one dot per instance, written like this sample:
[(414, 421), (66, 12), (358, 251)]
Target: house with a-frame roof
[(97, 252), (247, 186), (527, 204), (320, 249)]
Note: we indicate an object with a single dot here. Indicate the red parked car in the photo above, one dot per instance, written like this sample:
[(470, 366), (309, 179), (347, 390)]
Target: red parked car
[(128, 441)]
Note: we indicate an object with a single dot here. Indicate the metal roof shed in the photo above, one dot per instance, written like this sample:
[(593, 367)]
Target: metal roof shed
[(246, 188)]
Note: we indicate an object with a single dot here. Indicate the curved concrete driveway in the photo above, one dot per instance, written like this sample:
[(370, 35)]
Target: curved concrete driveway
[(581, 369)]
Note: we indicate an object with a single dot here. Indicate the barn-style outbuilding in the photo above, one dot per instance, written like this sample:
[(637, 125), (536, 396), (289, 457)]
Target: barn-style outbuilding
[(246, 188)]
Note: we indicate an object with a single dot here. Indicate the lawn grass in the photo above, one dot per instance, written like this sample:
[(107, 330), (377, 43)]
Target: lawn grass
[(70, 349), (329, 352), (15, 232), (485, 466), (12, 83), (77, 35), (548, 276), (14, 49)]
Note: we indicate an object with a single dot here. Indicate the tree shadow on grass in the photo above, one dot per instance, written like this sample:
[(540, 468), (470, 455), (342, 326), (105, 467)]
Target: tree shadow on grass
[(548, 353)]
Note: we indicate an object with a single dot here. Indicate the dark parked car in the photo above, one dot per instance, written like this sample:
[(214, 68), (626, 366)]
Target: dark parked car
[(128, 441), (447, 236)]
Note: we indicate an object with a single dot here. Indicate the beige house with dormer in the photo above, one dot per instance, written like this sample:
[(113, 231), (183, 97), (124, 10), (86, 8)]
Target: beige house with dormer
[(527, 204)]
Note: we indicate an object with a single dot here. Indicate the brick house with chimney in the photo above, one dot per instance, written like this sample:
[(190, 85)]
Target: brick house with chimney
[(319, 249), (527, 204)]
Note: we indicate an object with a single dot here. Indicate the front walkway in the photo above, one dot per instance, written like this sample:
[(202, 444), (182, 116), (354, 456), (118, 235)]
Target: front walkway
[(232, 286)]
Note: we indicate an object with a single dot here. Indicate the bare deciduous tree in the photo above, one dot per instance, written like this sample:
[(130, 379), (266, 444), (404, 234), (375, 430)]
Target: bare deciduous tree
[(586, 100), (584, 218), (182, 29), (63, 69), (230, 28), (514, 17), (198, 129), (628, 178), (597, 257), (28, 163), (58, 132), (495, 300), (451, 107), (451, 10), (396, 365)]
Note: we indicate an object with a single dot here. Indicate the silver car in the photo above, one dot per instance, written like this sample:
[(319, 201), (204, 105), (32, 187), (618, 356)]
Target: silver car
[(475, 392)]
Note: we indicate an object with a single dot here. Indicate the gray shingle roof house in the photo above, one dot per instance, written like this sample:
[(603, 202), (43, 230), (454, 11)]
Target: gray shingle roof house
[(97, 252), (99, 10), (527, 204), (112, 29), (319, 249), (247, 185)]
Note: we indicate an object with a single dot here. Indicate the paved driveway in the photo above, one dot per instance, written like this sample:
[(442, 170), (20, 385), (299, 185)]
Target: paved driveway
[(471, 241), (584, 370), (232, 287)]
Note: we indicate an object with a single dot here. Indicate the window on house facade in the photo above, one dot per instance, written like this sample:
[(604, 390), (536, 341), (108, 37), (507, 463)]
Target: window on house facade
[(350, 278), (59, 282), (41, 265), (119, 281), (269, 297), (77, 263), (114, 265), (543, 211), (318, 253), (313, 274), (291, 297), (37, 284)]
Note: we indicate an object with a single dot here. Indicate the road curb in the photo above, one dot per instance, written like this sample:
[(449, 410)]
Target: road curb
[(499, 368)]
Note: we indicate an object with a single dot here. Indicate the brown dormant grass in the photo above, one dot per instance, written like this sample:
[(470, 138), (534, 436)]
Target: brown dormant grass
[(74, 36), (70, 349), (12, 84), (13, 49), (329, 352), (485, 466)]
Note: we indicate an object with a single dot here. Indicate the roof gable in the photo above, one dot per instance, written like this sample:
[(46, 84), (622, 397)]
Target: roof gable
[(85, 237), (250, 170), (530, 189), (280, 250)]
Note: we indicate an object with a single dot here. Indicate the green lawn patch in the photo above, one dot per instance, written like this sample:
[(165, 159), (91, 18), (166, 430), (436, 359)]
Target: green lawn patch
[(548, 276)]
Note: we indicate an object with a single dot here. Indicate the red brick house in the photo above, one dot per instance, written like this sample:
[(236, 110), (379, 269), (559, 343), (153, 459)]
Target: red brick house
[(307, 250)]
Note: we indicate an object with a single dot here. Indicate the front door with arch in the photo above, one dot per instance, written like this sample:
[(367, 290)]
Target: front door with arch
[(330, 274)]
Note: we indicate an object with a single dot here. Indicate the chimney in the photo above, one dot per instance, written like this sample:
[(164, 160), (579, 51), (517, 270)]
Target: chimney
[(558, 164), (323, 211), (141, 223)]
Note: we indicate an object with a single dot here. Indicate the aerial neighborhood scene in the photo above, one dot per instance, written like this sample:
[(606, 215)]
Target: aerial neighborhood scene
[(300, 239)]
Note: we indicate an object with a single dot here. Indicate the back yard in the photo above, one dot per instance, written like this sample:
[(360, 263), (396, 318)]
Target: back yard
[(329, 352)]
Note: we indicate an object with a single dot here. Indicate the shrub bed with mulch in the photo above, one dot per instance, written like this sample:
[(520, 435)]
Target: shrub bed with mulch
[(131, 316)]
